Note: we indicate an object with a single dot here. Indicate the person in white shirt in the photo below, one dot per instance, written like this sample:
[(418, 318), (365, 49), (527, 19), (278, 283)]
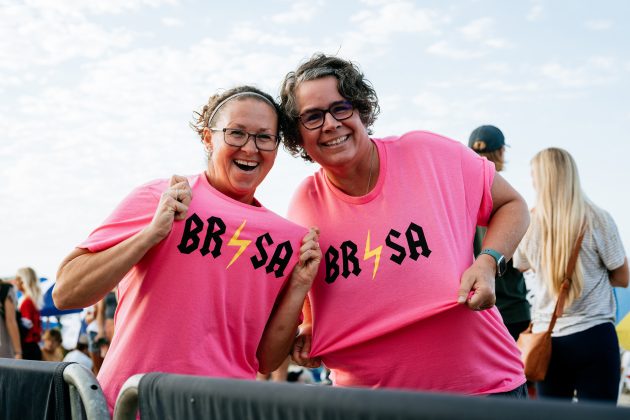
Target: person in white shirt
[(80, 353)]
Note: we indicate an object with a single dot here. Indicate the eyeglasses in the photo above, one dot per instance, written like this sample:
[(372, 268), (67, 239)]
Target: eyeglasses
[(239, 138), (314, 118)]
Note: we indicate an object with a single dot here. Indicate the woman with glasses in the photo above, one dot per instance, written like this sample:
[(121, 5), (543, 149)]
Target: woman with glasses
[(391, 305), (209, 281)]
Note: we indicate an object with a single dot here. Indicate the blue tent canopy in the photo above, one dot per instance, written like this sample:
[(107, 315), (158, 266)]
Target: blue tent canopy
[(49, 308)]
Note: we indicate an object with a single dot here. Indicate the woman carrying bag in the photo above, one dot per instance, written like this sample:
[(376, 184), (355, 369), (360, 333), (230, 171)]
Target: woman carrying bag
[(585, 351)]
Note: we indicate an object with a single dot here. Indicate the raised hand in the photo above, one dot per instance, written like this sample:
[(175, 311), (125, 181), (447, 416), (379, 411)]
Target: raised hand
[(173, 205)]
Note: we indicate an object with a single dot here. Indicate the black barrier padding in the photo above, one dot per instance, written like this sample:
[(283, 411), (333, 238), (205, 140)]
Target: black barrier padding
[(167, 396), (33, 390)]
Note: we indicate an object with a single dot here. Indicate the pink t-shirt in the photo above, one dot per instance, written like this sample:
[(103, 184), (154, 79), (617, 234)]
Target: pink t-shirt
[(384, 302), (198, 302)]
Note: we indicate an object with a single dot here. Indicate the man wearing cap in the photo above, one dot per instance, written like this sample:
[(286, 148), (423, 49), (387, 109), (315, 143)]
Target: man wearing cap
[(488, 141)]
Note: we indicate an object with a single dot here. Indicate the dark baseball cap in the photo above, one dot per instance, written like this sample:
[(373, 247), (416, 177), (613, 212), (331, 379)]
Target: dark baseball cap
[(486, 138)]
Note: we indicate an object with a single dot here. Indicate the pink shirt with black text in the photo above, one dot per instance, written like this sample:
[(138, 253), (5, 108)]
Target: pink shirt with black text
[(198, 302), (384, 304)]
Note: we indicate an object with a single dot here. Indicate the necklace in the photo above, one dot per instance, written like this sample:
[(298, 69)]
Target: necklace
[(367, 190)]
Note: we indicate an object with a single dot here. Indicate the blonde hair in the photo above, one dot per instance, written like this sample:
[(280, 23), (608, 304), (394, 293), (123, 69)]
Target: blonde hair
[(30, 284), (562, 211)]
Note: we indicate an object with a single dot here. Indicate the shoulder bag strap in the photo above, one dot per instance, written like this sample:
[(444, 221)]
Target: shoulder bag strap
[(564, 289)]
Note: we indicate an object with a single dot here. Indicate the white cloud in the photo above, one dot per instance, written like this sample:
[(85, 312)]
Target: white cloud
[(375, 2), (536, 11), (31, 37), (390, 103), (250, 33), (565, 76), (432, 105), (497, 43), (477, 29), (373, 29), (171, 22), (595, 71), (397, 17), (481, 31), (599, 25), (603, 62), (72, 7), (300, 12), (445, 49), (503, 87), (441, 84)]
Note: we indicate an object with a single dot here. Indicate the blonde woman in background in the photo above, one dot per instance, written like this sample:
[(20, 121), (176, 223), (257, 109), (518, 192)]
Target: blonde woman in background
[(585, 351), (27, 282)]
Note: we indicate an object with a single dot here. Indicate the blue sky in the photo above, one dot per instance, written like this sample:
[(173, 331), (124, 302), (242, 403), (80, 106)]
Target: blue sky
[(95, 97)]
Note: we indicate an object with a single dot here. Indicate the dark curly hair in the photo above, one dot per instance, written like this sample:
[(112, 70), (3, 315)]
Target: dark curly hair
[(201, 118), (351, 84)]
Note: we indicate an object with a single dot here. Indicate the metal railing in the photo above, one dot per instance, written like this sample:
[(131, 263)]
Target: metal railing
[(159, 395)]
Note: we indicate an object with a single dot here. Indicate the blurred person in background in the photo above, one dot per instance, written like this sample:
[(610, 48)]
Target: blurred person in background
[(80, 353), (27, 282), (105, 311), (585, 360), (10, 344), (52, 350), (91, 331), (488, 141)]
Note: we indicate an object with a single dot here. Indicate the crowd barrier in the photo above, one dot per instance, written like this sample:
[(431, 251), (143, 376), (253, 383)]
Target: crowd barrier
[(169, 396), (49, 390)]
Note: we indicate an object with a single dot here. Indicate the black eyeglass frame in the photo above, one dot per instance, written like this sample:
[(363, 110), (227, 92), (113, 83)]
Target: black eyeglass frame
[(225, 131), (329, 111)]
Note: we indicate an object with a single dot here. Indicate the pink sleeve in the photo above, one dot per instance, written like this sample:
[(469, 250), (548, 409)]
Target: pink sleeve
[(297, 208), (478, 174), (133, 214)]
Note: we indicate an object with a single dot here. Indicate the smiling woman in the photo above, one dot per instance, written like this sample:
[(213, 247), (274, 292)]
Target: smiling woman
[(193, 296), (397, 218), (237, 166)]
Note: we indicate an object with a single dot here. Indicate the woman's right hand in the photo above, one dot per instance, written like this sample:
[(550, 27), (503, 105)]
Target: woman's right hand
[(302, 348), (173, 205)]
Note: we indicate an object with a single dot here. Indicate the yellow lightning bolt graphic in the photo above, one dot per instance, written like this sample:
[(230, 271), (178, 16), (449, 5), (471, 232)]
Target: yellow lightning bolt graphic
[(234, 241), (369, 253)]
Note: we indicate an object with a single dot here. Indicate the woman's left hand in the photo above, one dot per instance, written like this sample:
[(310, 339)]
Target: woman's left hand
[(477, 284), (310, 256)]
